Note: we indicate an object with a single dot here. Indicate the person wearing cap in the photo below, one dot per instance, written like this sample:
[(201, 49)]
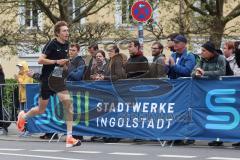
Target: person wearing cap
[(181, 62), (170, 43), (211, 63), (22, 79)]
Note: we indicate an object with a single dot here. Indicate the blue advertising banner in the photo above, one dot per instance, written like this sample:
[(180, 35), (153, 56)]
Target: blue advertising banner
[(215, 110), (145, 109)]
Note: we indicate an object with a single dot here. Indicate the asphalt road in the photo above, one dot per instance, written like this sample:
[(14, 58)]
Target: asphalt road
[(35, 150)]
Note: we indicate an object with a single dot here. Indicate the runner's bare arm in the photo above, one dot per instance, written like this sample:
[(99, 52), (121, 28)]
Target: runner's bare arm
[(43, 60)]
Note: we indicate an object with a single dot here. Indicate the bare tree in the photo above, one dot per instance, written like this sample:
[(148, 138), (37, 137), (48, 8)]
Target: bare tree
[(83, 9), (212, 16), (53, 10)]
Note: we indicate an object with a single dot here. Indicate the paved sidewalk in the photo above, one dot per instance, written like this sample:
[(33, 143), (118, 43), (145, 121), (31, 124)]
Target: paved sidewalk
[(13, 135)]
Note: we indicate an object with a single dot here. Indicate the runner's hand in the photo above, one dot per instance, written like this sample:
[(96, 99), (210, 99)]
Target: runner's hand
[(62, 62)]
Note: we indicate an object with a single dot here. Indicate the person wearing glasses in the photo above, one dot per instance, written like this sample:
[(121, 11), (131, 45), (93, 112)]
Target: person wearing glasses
[(157, 68)]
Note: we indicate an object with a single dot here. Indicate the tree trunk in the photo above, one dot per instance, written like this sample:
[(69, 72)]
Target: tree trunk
[(181, 17), (216, 31)]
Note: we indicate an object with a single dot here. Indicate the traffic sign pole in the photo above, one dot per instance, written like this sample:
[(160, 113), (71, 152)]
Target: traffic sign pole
[(140, 34), (141, 11)]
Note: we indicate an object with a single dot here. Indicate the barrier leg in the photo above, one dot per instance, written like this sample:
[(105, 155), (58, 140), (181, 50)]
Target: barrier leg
[(60, 136), (52, 138), (162, 143), (171, 144)]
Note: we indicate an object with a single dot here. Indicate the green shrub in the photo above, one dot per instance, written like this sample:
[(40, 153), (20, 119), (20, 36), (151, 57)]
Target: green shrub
[(8, 94)]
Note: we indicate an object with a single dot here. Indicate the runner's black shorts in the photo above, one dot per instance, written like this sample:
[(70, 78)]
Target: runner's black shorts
[(51, 86)]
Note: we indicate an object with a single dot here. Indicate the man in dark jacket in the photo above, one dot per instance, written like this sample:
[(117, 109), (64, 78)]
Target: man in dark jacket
[(211, 64), (76, 66), (90, 60), (137, 64)]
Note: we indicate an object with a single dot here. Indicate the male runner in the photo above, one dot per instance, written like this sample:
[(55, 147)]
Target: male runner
[(53, 58)]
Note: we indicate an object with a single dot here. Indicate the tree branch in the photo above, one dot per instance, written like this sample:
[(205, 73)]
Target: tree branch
[(63, 9), (195, 8), (207, 7), (47, 11), (86, 12), (233, 14)]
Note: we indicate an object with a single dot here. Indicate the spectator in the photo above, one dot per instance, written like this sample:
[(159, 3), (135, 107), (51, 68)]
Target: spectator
[(76, 66), (92, 51), (158, 68), (229, 71), (115, 69), (211, 64), (125, 58), (181, 62), (98, 70), (228, 51), (137, 64), (170, 44), (97, 73), (22, 79), (237, 65), (90, 60)]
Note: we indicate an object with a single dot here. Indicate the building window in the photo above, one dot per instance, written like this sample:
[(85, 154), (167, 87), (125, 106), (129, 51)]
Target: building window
[(126, 11), (74, 8), (29, 15)]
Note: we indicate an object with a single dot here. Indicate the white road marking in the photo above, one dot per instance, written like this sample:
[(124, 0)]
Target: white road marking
[(223, 158), (37, 156), (50, 151), (176, 156), (128, 154), (8, 149), (88, 152), (124, 144)]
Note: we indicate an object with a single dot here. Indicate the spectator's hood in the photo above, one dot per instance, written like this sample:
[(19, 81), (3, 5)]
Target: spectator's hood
[(24, 65)]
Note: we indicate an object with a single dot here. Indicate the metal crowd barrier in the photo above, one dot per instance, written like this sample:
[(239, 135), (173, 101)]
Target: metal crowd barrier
[(9, 103), (10, 106)]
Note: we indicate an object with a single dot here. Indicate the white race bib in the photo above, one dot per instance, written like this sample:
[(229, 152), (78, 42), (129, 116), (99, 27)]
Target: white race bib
[(57, 72)]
